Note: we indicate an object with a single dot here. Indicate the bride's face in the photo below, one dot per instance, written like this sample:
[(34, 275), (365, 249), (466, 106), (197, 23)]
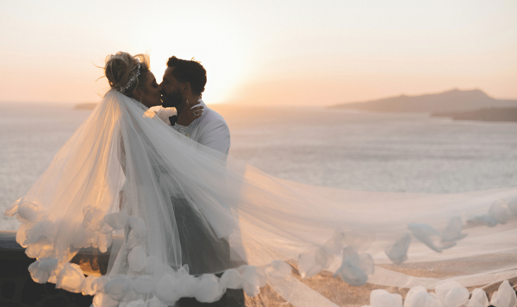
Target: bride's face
[(150, 95)]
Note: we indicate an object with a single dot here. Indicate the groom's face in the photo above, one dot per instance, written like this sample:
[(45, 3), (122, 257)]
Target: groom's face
[(171, 90)]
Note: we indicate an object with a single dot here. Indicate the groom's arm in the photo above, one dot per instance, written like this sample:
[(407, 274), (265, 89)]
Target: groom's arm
[(216, 136)]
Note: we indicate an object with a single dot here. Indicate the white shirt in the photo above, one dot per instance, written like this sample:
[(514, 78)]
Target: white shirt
[(209, 130)]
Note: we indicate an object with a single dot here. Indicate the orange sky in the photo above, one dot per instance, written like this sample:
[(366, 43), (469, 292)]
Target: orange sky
[(268, 52)]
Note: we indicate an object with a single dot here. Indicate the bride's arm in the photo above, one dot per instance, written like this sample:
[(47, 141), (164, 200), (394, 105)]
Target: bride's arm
[(186, 117), (180, 128)]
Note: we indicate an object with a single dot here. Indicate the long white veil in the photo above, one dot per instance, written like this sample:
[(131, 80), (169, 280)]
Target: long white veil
[(184, 212)]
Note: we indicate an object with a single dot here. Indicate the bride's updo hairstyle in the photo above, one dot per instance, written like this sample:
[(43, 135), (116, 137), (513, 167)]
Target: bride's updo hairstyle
[(125, 72)]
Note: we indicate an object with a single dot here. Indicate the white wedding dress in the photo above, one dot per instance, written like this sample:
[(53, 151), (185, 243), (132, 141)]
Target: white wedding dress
[(186, 213)]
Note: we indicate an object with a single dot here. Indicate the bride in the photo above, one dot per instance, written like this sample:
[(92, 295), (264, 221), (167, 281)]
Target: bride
[(193, 224)]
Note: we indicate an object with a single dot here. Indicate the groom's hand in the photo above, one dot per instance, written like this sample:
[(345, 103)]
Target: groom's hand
[(189, 114)]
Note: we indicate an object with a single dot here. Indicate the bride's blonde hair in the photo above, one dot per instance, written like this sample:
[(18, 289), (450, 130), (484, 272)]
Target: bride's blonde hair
[(121, 67)]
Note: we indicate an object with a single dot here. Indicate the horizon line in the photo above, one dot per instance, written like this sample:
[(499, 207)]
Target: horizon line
[(236, 102)]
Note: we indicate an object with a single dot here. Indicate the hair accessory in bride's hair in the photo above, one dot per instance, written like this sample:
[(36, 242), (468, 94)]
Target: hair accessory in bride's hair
[(132, 79)]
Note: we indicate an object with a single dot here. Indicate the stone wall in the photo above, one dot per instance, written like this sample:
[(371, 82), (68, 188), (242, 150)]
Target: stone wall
[(16, 286)]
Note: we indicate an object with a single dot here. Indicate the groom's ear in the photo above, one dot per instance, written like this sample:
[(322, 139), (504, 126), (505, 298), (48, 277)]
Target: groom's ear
[(186, 88)]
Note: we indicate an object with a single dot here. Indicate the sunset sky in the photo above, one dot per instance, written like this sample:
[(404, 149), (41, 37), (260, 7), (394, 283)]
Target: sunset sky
[(264, 52)]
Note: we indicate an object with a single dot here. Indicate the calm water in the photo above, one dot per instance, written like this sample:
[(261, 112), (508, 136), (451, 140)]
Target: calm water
[(335, 148)]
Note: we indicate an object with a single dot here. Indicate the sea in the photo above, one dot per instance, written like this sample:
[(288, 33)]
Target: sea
[(343, 149)]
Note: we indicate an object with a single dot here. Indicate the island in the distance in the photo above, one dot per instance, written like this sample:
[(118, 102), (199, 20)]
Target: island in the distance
[(455, 104), (487, 115)]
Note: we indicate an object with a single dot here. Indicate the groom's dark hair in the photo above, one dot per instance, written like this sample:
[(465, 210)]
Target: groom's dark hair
[(189, 71)]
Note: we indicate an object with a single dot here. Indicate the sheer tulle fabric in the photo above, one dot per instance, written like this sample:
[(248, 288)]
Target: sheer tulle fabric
[(186, 212)]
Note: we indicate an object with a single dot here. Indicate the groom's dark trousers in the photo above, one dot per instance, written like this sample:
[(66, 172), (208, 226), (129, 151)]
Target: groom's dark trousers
[(203, 252)]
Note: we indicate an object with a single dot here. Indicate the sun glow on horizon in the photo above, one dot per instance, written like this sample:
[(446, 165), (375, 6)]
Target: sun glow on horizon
[(266, 53)]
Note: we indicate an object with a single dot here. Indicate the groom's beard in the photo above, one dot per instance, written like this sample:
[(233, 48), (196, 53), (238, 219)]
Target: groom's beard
[(172, 100)]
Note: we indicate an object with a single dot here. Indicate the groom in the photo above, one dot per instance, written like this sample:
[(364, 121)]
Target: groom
[(183, 83)]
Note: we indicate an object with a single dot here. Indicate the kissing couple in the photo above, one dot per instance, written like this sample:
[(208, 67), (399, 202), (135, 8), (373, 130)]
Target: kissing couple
[(180, 92)]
